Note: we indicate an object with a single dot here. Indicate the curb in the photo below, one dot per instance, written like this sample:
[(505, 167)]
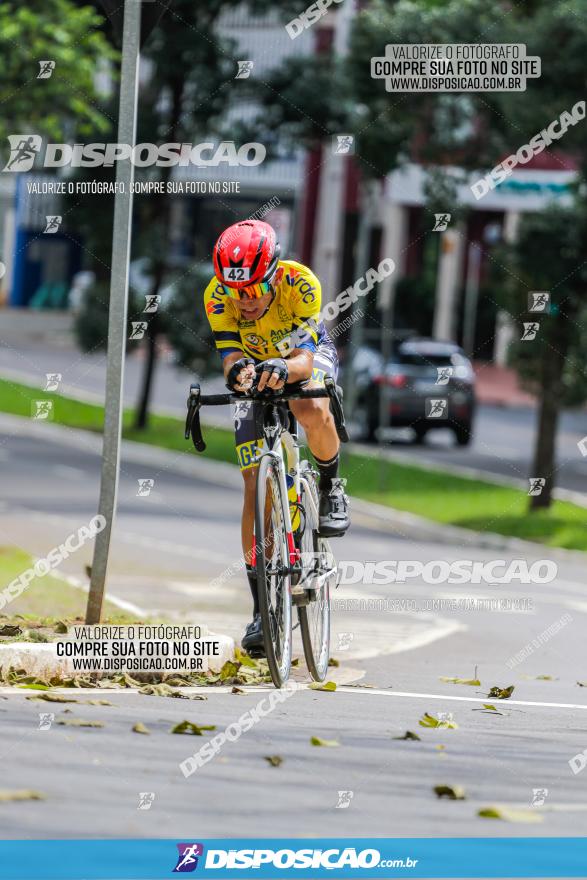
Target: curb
[(409, 525), (385, 519), (472, 473)]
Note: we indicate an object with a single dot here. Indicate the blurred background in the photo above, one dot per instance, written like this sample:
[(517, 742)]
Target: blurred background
[(353, 175)]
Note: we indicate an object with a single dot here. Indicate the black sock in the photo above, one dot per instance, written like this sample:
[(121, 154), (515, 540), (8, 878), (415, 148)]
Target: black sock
[(328, 470), (252, 577)]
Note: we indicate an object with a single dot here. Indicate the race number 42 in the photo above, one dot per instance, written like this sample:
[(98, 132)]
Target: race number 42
[(236, 273)]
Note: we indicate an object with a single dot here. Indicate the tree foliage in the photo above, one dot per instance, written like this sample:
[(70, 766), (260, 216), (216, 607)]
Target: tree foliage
[(65, 103)]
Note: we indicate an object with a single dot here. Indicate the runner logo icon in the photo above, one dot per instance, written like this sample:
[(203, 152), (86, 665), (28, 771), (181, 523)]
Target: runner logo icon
[(187, 859), (23, 150)]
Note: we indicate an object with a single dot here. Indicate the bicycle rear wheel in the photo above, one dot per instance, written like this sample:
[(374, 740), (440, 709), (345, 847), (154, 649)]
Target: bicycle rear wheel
[(273, 570), (317, 571)]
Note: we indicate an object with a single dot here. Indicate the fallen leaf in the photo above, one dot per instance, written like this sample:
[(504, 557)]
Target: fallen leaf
[(97, 702), (474, 682), (452, 792), (488, 707), (236, 690), (34, 687), (323, 686), (540, 677), (274, 760), (156, 690), (295, 661), (80, 722), (60, 627), (245, 660), (333, 662), (190, 727), (429, 720), (10, 630), (23, 794), (582, 684), (510, 815), (139, 727), (33, 635), (501, 693), (53, 698), (409, 734), (163, 690), (229, 670), (126, 680), (317, 741)]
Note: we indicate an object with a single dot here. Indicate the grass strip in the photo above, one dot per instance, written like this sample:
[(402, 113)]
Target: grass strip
[(436, 495)]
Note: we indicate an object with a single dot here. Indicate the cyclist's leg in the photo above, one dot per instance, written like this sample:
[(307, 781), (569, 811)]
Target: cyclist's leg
[(247, 433), (318, 423), (314, 415)]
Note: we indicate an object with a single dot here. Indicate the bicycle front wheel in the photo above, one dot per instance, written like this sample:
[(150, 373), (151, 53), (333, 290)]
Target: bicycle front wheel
[(318, 569), (273, 570)]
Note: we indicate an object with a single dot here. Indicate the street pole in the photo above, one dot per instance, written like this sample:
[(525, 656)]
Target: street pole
[(117, 317), (357, 334), (471, 297)]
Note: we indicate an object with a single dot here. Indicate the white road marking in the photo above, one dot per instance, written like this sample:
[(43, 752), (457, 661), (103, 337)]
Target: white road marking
[(496, 703), (346, 689), (406, 632), (377, 632), (114, 600), (548, 808), (169, 546), (136, 538)]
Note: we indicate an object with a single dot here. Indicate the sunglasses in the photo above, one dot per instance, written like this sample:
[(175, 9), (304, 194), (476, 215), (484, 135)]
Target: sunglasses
[(253, 291)]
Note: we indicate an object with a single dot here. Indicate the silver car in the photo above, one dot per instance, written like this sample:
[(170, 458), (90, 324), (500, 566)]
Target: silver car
[(428, 384)]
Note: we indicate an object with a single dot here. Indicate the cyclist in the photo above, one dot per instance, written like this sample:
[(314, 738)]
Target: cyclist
[(264, 314)]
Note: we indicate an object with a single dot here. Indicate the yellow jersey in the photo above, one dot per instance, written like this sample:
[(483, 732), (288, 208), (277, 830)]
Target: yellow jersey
[(291, 321)]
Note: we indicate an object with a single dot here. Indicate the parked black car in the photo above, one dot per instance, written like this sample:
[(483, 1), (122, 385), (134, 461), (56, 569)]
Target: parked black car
[(429, 385)]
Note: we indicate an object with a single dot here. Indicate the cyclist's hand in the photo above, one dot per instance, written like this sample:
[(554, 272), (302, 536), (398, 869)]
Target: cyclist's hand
[(272, 375), (241, 374)]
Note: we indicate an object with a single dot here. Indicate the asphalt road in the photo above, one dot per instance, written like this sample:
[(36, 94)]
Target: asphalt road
[(168, 547), (503, 437)]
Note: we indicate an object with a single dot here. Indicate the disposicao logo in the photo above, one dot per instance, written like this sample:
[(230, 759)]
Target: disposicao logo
[(24, 149)]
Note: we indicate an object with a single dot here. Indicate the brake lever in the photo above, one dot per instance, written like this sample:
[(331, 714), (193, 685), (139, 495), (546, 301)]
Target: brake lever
[(336, 409), (192, 422)]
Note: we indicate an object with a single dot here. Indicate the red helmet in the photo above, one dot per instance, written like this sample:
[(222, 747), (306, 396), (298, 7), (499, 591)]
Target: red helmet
[(245, 255)]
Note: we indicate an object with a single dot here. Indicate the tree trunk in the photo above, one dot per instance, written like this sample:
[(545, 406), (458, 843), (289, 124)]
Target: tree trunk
[(142, 414), (553, 359), (163, 207)]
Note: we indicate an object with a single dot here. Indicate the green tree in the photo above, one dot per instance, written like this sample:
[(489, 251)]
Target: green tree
[(65, 103), (475, 131), (185, 98), (554, 362)]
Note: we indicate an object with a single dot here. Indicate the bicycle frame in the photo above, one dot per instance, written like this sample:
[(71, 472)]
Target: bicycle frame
[(278, 440)]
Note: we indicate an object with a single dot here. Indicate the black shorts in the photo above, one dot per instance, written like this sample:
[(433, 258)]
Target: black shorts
[(248, 414)]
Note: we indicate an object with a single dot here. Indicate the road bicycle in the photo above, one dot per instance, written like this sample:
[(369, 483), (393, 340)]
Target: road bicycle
[(295, 566)]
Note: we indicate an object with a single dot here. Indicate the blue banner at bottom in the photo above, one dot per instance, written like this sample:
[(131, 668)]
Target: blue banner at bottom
[(376, 857)]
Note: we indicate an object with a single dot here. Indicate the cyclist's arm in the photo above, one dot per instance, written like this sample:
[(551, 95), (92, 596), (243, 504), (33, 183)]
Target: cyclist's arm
[(300, 364)]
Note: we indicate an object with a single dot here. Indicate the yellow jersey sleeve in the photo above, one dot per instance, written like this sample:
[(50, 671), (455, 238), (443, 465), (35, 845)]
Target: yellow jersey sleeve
[(222, 320), (306, 299)]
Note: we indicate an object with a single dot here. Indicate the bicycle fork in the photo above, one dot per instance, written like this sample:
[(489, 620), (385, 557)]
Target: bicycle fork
[(293, 552)]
